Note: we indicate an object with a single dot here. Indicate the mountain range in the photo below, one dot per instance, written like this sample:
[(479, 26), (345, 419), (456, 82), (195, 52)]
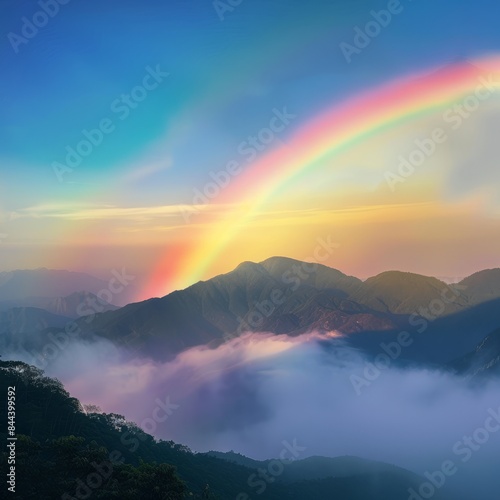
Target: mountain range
[(454, 326), (284, 296), (43, 282)]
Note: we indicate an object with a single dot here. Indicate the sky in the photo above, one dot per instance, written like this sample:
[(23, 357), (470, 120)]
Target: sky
[(178, 139)]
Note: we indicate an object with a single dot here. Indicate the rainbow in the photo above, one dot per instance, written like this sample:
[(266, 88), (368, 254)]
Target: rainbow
[(341, 127)]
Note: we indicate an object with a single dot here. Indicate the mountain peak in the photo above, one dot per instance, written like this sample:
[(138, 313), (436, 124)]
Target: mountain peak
[(490, 274), (401, 292), (397, 277), (248, 265), (483, 285)]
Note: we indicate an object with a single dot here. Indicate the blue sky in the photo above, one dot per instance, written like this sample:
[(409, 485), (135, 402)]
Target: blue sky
[(225, 78), (64, 79)]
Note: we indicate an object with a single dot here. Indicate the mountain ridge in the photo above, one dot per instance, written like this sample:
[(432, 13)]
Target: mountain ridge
[(281, 295)]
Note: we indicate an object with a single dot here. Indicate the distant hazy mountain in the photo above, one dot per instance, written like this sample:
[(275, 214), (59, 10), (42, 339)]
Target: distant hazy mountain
[(313, 468), (71, 306), (24, 328), (406, 293), (25, 324), (335, 477), (46, 283), (52, 283), (19, 320), (484, 360)]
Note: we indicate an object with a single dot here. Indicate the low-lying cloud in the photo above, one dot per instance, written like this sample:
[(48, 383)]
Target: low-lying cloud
[(255, 391)]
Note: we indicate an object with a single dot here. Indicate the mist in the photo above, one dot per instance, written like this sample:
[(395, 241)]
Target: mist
[(253, 392)]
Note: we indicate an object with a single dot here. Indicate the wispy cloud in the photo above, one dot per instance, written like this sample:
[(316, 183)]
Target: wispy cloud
[(104, 212), (149, 169)]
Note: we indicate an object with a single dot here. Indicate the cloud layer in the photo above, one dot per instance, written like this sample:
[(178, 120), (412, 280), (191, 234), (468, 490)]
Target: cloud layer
[(253, 392)]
